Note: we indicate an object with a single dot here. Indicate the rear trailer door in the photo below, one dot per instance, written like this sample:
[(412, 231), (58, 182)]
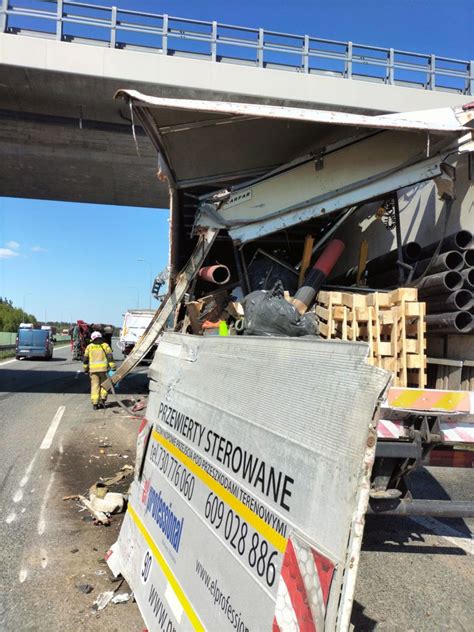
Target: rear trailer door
[(247, 511)]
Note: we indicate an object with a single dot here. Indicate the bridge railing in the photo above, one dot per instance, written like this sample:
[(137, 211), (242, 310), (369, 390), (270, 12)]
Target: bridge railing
[(70, 20)]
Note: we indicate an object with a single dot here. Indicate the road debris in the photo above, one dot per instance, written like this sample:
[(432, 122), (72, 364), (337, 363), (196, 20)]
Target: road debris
[(99, 516), (112, 502), (122, 598), (138, 406), (124, 472), (85, 588), (99, 490), (103, 600)]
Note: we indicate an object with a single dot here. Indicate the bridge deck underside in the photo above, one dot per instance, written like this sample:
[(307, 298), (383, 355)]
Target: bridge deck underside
[(64, 137)]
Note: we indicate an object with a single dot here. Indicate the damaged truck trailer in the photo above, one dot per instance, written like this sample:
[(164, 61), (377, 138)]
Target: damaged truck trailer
[(303, 328)]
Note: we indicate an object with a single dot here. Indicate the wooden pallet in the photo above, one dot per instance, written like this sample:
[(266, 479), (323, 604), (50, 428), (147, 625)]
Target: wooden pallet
[(393, 324)]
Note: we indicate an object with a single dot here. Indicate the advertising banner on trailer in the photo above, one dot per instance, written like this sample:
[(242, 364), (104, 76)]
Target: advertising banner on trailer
[(251, 484)]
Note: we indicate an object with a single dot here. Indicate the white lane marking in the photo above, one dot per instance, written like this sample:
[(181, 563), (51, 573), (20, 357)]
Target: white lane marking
[(10, 518), (42, 522), (48, 439), (23, 575), (26, 477), (447, 533), (8, 361), (15, 360), (61, 446), (18, 496)]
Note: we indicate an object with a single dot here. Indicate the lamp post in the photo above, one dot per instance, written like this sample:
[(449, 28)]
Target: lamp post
[(24, 302), (134, 287), (151, 281)]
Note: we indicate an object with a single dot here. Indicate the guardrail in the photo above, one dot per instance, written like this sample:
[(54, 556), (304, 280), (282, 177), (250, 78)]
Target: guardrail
[(68, 20)]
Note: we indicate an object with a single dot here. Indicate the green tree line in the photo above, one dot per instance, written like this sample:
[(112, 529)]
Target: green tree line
[(11, 316)]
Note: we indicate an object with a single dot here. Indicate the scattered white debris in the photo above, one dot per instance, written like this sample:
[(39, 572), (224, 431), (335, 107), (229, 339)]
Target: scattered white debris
[(111, 503), (122, 598), (100, 516), (103, 599)]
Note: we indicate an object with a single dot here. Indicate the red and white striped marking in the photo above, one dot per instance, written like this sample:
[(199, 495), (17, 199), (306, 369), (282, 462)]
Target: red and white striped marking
[(303, 591), (457, 431), (451, 431), (387, 429)]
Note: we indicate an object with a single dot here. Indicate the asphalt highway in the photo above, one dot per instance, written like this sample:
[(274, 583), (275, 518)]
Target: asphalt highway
[(49, 449)]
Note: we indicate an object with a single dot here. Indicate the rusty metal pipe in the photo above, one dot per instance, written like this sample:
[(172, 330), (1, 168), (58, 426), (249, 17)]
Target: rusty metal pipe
[(449, 323), (440, 283), (410, 252), (455, 301), (468, 278), (218, 274), (451, 260), (462, 240), (469, 258)]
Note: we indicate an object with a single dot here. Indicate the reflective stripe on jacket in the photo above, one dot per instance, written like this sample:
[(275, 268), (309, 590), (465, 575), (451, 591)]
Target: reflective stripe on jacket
[(98, 358)]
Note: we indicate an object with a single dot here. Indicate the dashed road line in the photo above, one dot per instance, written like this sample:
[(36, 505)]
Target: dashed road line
[(18, 496), (26, 477), (48, 439), (8, 362), (42, 522)]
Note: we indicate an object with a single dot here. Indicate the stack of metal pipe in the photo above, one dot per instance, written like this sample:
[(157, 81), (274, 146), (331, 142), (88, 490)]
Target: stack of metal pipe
[(447, 284), (382, 272)]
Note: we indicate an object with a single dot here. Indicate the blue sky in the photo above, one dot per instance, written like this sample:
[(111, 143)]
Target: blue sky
[(73, 260), (79, 260), (425, 26)]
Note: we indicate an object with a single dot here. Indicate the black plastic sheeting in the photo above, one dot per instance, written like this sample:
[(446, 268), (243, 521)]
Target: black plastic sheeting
[(268, 313), (263, 273)]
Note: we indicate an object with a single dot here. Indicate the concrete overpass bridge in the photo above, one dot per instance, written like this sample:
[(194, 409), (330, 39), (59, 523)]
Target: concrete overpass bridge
[(63, 137)]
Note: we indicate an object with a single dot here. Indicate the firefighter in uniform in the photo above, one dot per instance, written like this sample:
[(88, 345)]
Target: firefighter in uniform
[(98, 359)]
